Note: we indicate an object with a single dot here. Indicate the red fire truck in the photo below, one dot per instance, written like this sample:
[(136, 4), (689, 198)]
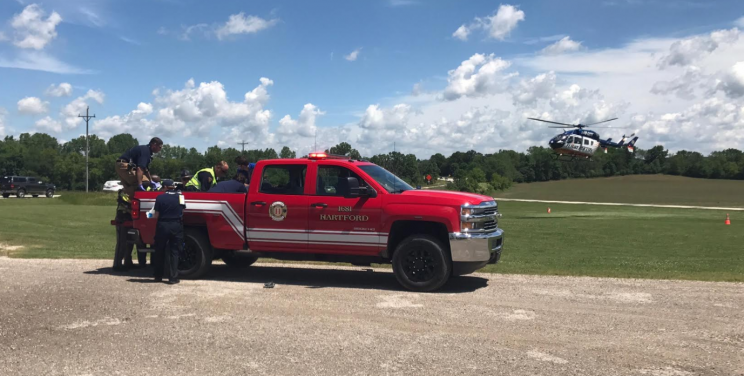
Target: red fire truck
[(334, 209)]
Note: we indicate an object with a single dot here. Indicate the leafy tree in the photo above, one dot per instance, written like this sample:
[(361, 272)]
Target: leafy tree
[(287, 153), (120, 143)]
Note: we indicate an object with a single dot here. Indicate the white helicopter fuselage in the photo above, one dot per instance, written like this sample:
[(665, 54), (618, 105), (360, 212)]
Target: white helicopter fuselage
[(576, 142)]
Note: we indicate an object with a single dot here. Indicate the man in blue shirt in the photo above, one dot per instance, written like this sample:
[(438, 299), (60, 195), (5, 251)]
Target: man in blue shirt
[(235, 185), (168, 232), (133, 166)]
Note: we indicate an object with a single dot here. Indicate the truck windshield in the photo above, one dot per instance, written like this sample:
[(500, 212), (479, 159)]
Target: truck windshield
[(390, 182)]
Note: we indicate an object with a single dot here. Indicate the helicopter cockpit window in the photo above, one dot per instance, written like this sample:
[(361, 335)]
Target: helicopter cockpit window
[(570, 140)]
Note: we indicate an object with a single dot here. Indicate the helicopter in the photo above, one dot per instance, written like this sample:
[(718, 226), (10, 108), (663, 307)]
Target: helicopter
[(583, 143)]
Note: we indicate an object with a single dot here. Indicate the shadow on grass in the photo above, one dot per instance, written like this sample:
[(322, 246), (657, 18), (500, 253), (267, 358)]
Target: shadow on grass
[(306, 277)]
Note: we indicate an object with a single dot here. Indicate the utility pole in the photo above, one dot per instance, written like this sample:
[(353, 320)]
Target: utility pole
[(243, 145), (87, 118)]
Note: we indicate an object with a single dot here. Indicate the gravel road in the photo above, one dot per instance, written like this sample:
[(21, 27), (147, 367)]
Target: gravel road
[(78, 317)]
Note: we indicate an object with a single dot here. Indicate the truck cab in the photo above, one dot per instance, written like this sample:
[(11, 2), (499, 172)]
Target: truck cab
[(334, 209)]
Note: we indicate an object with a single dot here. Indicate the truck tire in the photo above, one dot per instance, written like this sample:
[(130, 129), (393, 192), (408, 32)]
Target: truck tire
[(6, 195), (421, 263), (50, 193), (21, 193), (196, 257), (236, 260)]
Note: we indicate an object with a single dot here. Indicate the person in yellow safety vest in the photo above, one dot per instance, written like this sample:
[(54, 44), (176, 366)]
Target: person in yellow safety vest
[(205, 178)]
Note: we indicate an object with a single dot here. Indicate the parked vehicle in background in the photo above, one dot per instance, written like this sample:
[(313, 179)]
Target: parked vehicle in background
[(20, 186), (112, 186)]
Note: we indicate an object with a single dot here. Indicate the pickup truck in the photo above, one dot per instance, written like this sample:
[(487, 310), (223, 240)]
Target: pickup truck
[(20, 186), (333, 209)]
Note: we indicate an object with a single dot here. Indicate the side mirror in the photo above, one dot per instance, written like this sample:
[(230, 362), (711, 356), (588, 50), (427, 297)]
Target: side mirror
[(356, 191)]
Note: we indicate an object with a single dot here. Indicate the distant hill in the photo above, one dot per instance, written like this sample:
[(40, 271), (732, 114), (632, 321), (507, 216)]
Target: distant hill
[(636, 189)]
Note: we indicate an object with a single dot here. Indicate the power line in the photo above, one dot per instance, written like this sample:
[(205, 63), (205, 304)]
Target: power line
[(243, 145), (87, 118)]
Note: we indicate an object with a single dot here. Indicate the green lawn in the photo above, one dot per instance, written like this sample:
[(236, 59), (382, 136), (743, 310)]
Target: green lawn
[(608, 241), (636, 189)]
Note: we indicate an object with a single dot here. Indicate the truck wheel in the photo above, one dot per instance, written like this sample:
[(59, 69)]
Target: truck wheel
[(196, 257), (21, 193), (50, 193), (421, 263), (6, 195), (237, 260)]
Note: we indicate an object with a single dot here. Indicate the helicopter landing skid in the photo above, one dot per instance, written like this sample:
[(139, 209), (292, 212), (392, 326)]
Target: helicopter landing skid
[(571, 158)]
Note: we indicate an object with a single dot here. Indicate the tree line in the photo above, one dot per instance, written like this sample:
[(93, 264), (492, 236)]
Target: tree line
[(63, 164)]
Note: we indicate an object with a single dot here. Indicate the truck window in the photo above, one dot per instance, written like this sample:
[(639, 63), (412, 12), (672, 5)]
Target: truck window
[(283, 179), (19, 180), (332, 181), (390, 182), (32, 180)]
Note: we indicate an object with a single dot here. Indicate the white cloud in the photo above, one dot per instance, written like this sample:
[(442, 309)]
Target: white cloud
[(733, 81), (304, 127), (32, 31), (40, 61), (740, 22), (49, 125), (497, 26), (687, 51), (188, 30), (93, 18), (206, 105), (134, 121), (562, 46), (63, 90), (462, 33), (71, 112), (240, 24), (32, 106), (539, 87), (477, 76), (353, 55), (682, 86)]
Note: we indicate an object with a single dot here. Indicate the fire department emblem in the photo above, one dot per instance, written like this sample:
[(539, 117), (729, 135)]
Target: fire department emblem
[(278, 211)]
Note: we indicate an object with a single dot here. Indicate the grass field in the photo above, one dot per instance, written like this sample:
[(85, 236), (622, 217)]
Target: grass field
[(608, 241), (636, 189)]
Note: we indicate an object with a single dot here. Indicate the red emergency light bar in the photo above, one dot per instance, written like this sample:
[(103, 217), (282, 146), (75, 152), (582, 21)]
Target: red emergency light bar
[(319, 155)]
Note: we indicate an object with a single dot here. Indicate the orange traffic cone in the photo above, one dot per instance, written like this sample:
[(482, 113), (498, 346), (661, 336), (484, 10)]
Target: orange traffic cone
[(548, 210), (728, 220)]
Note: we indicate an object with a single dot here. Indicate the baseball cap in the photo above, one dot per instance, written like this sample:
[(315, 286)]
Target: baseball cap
[(168, 183), (185, 173)]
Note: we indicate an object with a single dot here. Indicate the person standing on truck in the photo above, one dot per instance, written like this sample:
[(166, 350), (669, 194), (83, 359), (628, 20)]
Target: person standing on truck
[(133, 166), (205, 178), (168, 232)]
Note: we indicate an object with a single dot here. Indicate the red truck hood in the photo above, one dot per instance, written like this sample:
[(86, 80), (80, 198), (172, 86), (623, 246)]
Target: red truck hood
[(451, 197)]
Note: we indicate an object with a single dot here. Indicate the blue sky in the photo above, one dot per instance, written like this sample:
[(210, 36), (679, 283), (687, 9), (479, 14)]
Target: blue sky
[(126, 49)]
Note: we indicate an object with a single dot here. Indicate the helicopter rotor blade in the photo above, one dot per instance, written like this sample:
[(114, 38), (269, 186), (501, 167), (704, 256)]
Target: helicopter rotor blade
[(600, 122), (552, 122)]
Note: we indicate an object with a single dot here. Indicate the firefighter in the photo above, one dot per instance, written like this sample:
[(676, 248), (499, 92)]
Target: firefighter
[(133, 170), (238, 184), (205, 178), (168, 232), (185, 177)]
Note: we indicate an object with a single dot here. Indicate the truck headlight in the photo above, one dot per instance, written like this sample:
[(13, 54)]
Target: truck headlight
[(466, 211)]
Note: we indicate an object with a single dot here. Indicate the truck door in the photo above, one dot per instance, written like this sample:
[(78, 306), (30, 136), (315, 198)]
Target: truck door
[(341, 224), (278, 209)]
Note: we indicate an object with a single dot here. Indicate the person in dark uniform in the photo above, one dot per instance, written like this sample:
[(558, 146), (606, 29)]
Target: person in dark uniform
[(133, 166), (235, 185), (168, 232), (185, 177)]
